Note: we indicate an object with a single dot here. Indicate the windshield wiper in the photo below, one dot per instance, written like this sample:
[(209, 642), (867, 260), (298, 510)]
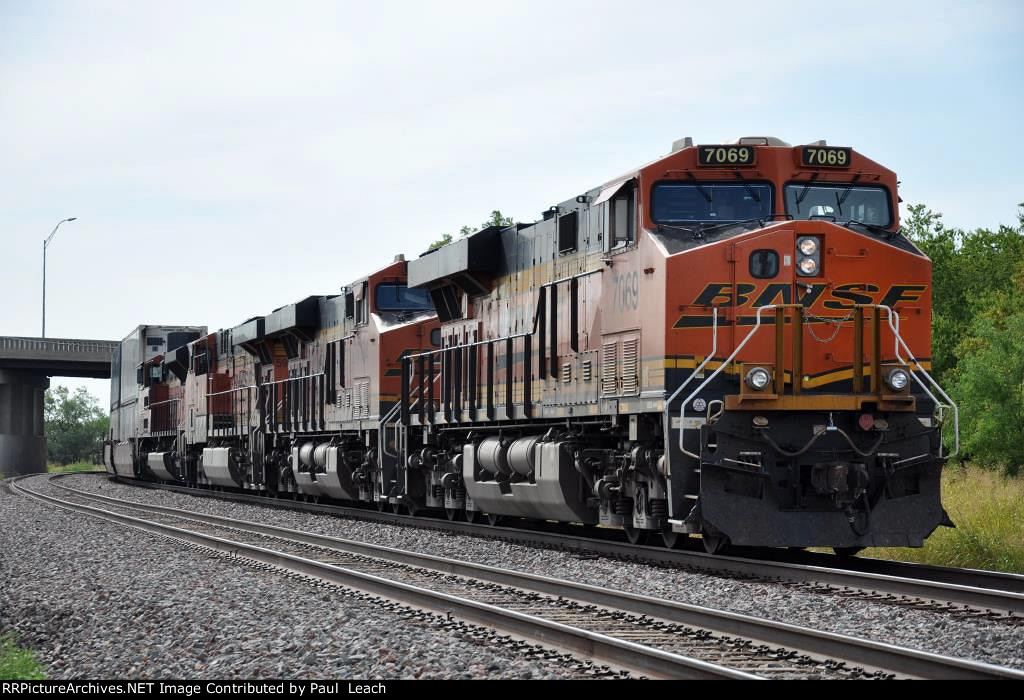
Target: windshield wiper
[(874, 228), (803, 193), (695, 232), (700, 188), (846, 193), (747, 187)]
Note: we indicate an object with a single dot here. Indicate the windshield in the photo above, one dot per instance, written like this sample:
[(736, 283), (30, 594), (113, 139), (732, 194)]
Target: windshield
[(398, 297), (710, 202), (869, 205)]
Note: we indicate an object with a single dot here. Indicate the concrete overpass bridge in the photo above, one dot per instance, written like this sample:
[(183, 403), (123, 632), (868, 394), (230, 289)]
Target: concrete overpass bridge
[(26, 365)]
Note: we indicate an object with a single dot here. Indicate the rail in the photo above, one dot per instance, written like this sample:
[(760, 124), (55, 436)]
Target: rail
[(850, 649)]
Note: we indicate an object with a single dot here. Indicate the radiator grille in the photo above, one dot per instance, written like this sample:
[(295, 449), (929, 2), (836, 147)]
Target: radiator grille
[(566, 372), (630, 367), (587, 370), (362, 399), (609, 352)]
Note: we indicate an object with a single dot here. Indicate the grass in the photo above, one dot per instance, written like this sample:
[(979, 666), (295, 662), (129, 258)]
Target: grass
[(988, 510), (76, 467), (17, 664)]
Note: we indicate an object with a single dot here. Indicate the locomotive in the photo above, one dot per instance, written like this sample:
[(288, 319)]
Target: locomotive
[(730, 342)]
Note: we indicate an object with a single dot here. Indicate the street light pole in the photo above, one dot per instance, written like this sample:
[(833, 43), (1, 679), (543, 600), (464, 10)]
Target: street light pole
[(46, 242)]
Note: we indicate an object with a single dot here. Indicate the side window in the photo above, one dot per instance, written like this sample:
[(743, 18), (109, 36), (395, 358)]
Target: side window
[(622, 218), (350, 304), (363, 305), (568, 227), (764, 264), (435, 337)]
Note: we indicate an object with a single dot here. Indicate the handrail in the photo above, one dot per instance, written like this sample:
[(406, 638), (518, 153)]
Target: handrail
[(938, 404), (666, 419), (728, 361), (893, 321)]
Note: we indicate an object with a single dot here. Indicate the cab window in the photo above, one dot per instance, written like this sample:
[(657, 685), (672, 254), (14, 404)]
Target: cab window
[(398, 297), (710, 202), (841, 203)]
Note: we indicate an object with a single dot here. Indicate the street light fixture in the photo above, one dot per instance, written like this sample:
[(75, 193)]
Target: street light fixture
[(45, 244)]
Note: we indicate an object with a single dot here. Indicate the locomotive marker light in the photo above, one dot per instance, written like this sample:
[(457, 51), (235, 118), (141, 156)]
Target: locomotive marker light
[(897, 379), (758, 378)]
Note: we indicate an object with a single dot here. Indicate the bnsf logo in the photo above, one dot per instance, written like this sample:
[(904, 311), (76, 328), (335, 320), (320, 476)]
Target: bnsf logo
[(841, 297)]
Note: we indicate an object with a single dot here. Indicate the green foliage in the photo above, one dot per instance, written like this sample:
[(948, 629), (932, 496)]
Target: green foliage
[(17, 664), (496, 219), (967, 266), (988, 381), (978, 331), (75, 425), (76, 467), (988, 509)]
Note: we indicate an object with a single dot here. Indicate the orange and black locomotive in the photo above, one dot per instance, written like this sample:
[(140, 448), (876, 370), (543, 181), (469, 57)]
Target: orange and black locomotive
[(731, 341)]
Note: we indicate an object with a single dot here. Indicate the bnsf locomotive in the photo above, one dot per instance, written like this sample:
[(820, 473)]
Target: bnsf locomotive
[(731, 341)]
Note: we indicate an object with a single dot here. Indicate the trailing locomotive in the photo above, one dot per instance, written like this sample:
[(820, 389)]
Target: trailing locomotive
[(731, 341)]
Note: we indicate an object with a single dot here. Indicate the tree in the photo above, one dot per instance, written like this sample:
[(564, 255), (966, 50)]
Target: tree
[(496, 219), (75, 425), (967, 266), (988, 382)]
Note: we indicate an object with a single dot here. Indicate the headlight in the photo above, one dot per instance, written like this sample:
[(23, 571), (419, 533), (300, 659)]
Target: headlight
[(808, 246), (758, 378), (897, 379), (808, 266)]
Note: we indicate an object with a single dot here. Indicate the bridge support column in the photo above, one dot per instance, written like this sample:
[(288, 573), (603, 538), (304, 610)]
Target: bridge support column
[(22, 442)]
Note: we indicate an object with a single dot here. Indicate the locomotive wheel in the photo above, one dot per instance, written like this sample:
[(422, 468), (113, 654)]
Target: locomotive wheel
[(493, 519), (714, 544), (847, 551), (452, 513), (673, 540), (635, 535), (471, 516)]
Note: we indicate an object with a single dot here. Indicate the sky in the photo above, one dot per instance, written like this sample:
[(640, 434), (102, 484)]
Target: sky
[(223, 159)]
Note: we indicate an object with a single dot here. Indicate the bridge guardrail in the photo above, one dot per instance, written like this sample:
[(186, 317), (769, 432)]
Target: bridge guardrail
[(55, 345)]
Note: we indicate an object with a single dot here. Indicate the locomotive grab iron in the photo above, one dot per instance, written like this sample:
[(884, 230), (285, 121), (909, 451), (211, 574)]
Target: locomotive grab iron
[(731, 341)]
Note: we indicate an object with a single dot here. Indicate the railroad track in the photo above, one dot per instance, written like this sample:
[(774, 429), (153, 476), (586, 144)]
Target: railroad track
[(655, 637), (966, 592)]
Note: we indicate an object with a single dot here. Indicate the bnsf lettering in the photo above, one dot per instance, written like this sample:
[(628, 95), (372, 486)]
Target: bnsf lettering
[(849, 292), (902, 292), (721, 295), (842, 297), (775, 294)]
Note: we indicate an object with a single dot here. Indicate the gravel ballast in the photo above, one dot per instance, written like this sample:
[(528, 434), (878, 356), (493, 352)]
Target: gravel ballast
[(979, 639), (99, 600)]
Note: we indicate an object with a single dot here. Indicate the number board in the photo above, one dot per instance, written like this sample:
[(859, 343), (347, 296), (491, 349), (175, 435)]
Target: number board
[(726, 155), (826, 156)]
